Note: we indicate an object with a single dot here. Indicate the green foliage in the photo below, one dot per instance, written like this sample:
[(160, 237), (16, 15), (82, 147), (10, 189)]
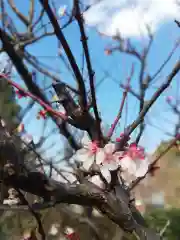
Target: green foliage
[(159, 217), (9, 109)]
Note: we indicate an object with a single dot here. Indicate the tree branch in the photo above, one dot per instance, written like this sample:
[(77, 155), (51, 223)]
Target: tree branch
[(18, 13), (60, 36), (156, 95), (91, 73)]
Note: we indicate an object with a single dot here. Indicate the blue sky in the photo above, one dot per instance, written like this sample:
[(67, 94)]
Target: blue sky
[(118, 66)]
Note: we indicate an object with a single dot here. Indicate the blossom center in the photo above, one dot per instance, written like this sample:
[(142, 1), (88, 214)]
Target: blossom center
[(93, 147), (108, 157)]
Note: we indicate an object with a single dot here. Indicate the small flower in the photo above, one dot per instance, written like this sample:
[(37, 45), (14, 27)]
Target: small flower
[(12, 199), (20, 94), (169, 99), (20, 128), (97, 181), (89, 153), (71, 234), (54, 229), (3, 123), (107, 51), (133, 163), (62, 11), (109, 161), (42, 114), (27, 138)]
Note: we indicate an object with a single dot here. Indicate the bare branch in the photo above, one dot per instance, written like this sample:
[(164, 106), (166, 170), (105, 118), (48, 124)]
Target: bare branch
[(91, 73), (60, 36), (18, 13), (113, 126), (31, 12), (156, 95)]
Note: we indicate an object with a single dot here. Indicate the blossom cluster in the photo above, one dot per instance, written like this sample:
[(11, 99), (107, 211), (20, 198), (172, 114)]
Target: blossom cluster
[(130, 163)]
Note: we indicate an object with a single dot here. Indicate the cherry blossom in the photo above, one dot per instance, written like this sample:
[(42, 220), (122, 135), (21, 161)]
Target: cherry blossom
[(89, 154), (20, 128), (54, 229), (109, 161), (62, 11), (71, 234), (108, 51), (169, 99), (27, 138), (134, 163), (12, 199), (42, 114)]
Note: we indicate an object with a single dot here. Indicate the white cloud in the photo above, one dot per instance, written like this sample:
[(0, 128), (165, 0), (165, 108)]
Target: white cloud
[(130, 17)]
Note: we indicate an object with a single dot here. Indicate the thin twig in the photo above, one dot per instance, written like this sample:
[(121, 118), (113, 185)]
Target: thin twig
[(156, 95), (65, 45), (91, 73), (35, 98), (113, 126)]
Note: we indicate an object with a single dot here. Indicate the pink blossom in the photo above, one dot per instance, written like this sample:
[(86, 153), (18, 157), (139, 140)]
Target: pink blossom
[(108, 51), (134, 163), (89, 154), (135, 152), (42, 114), (169, 99), (109, 161)]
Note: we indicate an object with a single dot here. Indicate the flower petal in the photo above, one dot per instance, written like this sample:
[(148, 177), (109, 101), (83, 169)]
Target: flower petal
[(81, 155), (88, 163), (117, 156), (109, 148), (85, 141), (100, 156), (141, 168), (106, 173), (97, 181), (128, 178), (112, 166), (128, 164)]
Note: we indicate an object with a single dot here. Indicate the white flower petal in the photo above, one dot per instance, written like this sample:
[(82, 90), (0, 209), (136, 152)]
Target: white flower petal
[(27, 138), (106, 173), (100, 156), (141, 168), (97, 181), (88, 163), (82, 155), (85, 141), (69, 230), (109, 148), (62, 10), (117, 157), (128, 178), (127, 164), (112, 166)]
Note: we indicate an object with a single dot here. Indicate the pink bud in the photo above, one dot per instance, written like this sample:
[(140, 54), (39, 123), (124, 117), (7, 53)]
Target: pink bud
[(169, 99), (108, 51)]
